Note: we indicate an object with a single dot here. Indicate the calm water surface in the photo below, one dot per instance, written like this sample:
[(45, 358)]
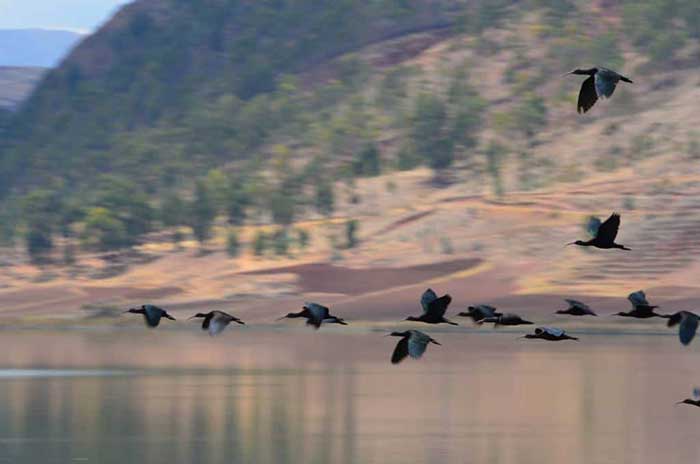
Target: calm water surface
[(248, 396)]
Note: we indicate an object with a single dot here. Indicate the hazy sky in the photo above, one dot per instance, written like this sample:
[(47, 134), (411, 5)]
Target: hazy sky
[(82, 15)]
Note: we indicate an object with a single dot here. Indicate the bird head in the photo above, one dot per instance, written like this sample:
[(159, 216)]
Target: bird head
[(582, 72), (134, 310), (434, 342), (577, 242), (198, 315), (411, 318), (620, 314), (290, 315)]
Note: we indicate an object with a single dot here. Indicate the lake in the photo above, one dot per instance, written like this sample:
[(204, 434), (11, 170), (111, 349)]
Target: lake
[(299, 396)]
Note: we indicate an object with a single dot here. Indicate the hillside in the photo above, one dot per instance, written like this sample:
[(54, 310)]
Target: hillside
[(435, 146), (16, 84), (35, 47)]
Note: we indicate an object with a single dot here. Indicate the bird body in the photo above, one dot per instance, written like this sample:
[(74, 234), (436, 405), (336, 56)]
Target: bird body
[(413, 343), (434, 308), (550, 334), (641, 309), (695, 401), (601, 83), (605, 237), (315, 315), (216, 321), (480, 312), (505, 319), (576, 308), (151, 314), (688, 325)]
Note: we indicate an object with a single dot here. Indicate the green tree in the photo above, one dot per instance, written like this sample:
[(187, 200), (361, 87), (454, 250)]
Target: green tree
[(351, 227), (202, 213), (368, 162), (233, 245), (429, 131), (39, 243), (280, 242), (259, 243), (324, 197), (102, 230)]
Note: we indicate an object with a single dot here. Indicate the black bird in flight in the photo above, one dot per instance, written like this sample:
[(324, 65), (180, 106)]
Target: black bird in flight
[(693, 402), (688, 325), (550, 334), (641, 309), (601, 83), (505, 319), (434, 308), (576, 308), (480, 312), (151, 314), (413, 343), (315, 315), (605, 237), (216, 321)]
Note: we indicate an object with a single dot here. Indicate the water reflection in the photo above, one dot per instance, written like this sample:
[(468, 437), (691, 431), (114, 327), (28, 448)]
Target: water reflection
[(330, 398)]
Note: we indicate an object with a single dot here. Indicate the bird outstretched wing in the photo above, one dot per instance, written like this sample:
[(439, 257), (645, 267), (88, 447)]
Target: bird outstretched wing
[(417, 344), (401, 351), (587, 96), (439, 306), (638, 298), (605, 83), (551, 331), (696, 393), (608, 230), (217, 325), (152, 315), (577, 304), (688, 325), (428, 297)]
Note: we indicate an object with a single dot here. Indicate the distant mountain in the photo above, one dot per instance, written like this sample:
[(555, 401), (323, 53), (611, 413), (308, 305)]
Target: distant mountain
[(16, 84), (35, 47)]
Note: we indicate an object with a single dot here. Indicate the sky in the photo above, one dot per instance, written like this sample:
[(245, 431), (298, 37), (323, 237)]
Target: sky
[(76, 15)]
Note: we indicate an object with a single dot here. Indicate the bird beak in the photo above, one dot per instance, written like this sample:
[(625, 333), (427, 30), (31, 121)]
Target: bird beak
[(566, 74), (280, 318), (437, 343), (572, 243), (191, 317)]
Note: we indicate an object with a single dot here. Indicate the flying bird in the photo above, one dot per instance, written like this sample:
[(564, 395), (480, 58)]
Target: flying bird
[(315, 315), (601, 83), (605, 237), (693, 402), (151, 314), (480, 312), (413, 343), (550, 333), (641, 309), (576, 308), (688, 325), (505, 319), (434, 308), (216, 321)]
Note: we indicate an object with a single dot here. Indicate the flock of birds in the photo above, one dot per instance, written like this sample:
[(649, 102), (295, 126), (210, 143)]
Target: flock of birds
[(601, 83)]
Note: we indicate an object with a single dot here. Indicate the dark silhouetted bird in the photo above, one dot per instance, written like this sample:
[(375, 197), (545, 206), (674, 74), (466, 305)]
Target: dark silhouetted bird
[(576, 308), (605, 237), (641, 309), (151, 314), (688, 325), (480, 312), (434, 308), (551, 334), (315, 315), (413, 343), (693, 402), (505, 319), (601, 83), (216, 321)]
